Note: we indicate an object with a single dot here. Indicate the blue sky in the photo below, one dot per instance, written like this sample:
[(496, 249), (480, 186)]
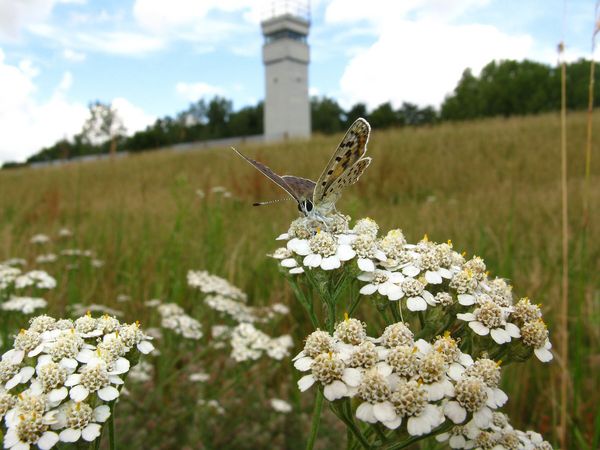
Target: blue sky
[(151, 58)]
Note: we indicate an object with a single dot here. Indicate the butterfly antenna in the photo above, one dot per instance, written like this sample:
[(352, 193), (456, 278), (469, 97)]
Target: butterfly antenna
[(270, 202)]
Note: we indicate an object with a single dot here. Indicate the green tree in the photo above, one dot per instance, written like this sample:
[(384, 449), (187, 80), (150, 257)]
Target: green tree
[(384, 116), (327, 116), (356, 111), (218, 112)]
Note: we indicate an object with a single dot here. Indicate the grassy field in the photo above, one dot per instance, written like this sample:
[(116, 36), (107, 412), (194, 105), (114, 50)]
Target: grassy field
[(491, 186)]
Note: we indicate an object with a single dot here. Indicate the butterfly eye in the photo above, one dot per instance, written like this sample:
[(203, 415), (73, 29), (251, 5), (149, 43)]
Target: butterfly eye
[(300, 207), (309, 205)]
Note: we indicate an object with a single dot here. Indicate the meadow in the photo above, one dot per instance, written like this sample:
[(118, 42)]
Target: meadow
[(491, 186)]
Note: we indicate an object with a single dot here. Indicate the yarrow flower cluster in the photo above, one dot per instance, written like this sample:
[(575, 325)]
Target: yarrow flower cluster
[(174, 318), (25, 305), (446, 379), (213, 284), (249, 343), (497, 434), (399, 380), (12, 278), (58, 380), (422, 277)]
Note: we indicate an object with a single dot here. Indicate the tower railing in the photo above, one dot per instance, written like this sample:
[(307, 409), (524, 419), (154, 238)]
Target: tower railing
[(277, 8)]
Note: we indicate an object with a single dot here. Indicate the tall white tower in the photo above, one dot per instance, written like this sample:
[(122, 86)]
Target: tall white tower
[(286, 57)]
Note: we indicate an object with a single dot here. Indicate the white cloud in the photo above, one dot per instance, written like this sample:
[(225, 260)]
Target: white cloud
[(27, 124), (112, 42), (73, 56), (134, 118), (65, 83), (14, 15), (159, 15), (420, 52), (230, 23), (194, 91), (17, 14)]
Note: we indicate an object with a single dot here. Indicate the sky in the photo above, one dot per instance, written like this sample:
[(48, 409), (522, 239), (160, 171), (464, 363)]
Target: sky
[(152, 58)]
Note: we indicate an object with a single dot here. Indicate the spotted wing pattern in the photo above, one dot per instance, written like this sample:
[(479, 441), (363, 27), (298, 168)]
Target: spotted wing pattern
[(303, 187), (267, 172), (340, 166), (348, 178)]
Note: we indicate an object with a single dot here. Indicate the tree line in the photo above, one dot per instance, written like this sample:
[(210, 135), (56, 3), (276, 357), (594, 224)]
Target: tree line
[(503, 88)]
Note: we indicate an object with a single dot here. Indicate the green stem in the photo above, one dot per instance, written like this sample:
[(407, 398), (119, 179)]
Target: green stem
[(354, 304), (421, 319), (395, 312), (407, 442), (385, 316), (331, 317), (305, 303), (316, 420), (380, 433), (111, 428), (340, 411), (96, 444)]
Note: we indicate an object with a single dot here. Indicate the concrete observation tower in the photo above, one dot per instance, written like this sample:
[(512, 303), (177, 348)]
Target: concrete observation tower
[(286, 55)]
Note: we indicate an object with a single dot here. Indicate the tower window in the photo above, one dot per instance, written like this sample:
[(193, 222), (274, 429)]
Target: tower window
[(285, 34)]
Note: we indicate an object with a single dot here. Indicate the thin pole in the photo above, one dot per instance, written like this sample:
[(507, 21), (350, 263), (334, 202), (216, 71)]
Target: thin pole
[(564, 310)]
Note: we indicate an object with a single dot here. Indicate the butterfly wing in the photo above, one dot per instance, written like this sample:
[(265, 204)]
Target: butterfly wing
[(267, 172), (303, 187), (348, 178), (340, 166)]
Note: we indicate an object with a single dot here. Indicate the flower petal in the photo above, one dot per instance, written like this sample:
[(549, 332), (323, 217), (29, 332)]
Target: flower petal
[(305, 382), (57, 395), (411, 271), (368, 289), (346, 253), (47, 440), (513, 330), (366, 265), (466, 299), (543, 354), (416, 304), (312, 260), (335, 390), (365, 413), (479, 328), (145, 347), (101, 413), (299, 246), (78, 393), (393, 424), (303, 364), (330, 263), (467, 317), (352, 376), (108, 393), (433, 277), (455, 412), (70, 435), (289, 263), (91, 432), (500, 335), (483, 417), (384, 411)]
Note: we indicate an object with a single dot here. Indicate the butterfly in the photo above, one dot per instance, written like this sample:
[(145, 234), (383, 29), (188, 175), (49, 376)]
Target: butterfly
[(317, 199)]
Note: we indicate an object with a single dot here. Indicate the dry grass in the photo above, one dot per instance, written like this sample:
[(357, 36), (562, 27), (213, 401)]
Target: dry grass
[(493, 187)]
